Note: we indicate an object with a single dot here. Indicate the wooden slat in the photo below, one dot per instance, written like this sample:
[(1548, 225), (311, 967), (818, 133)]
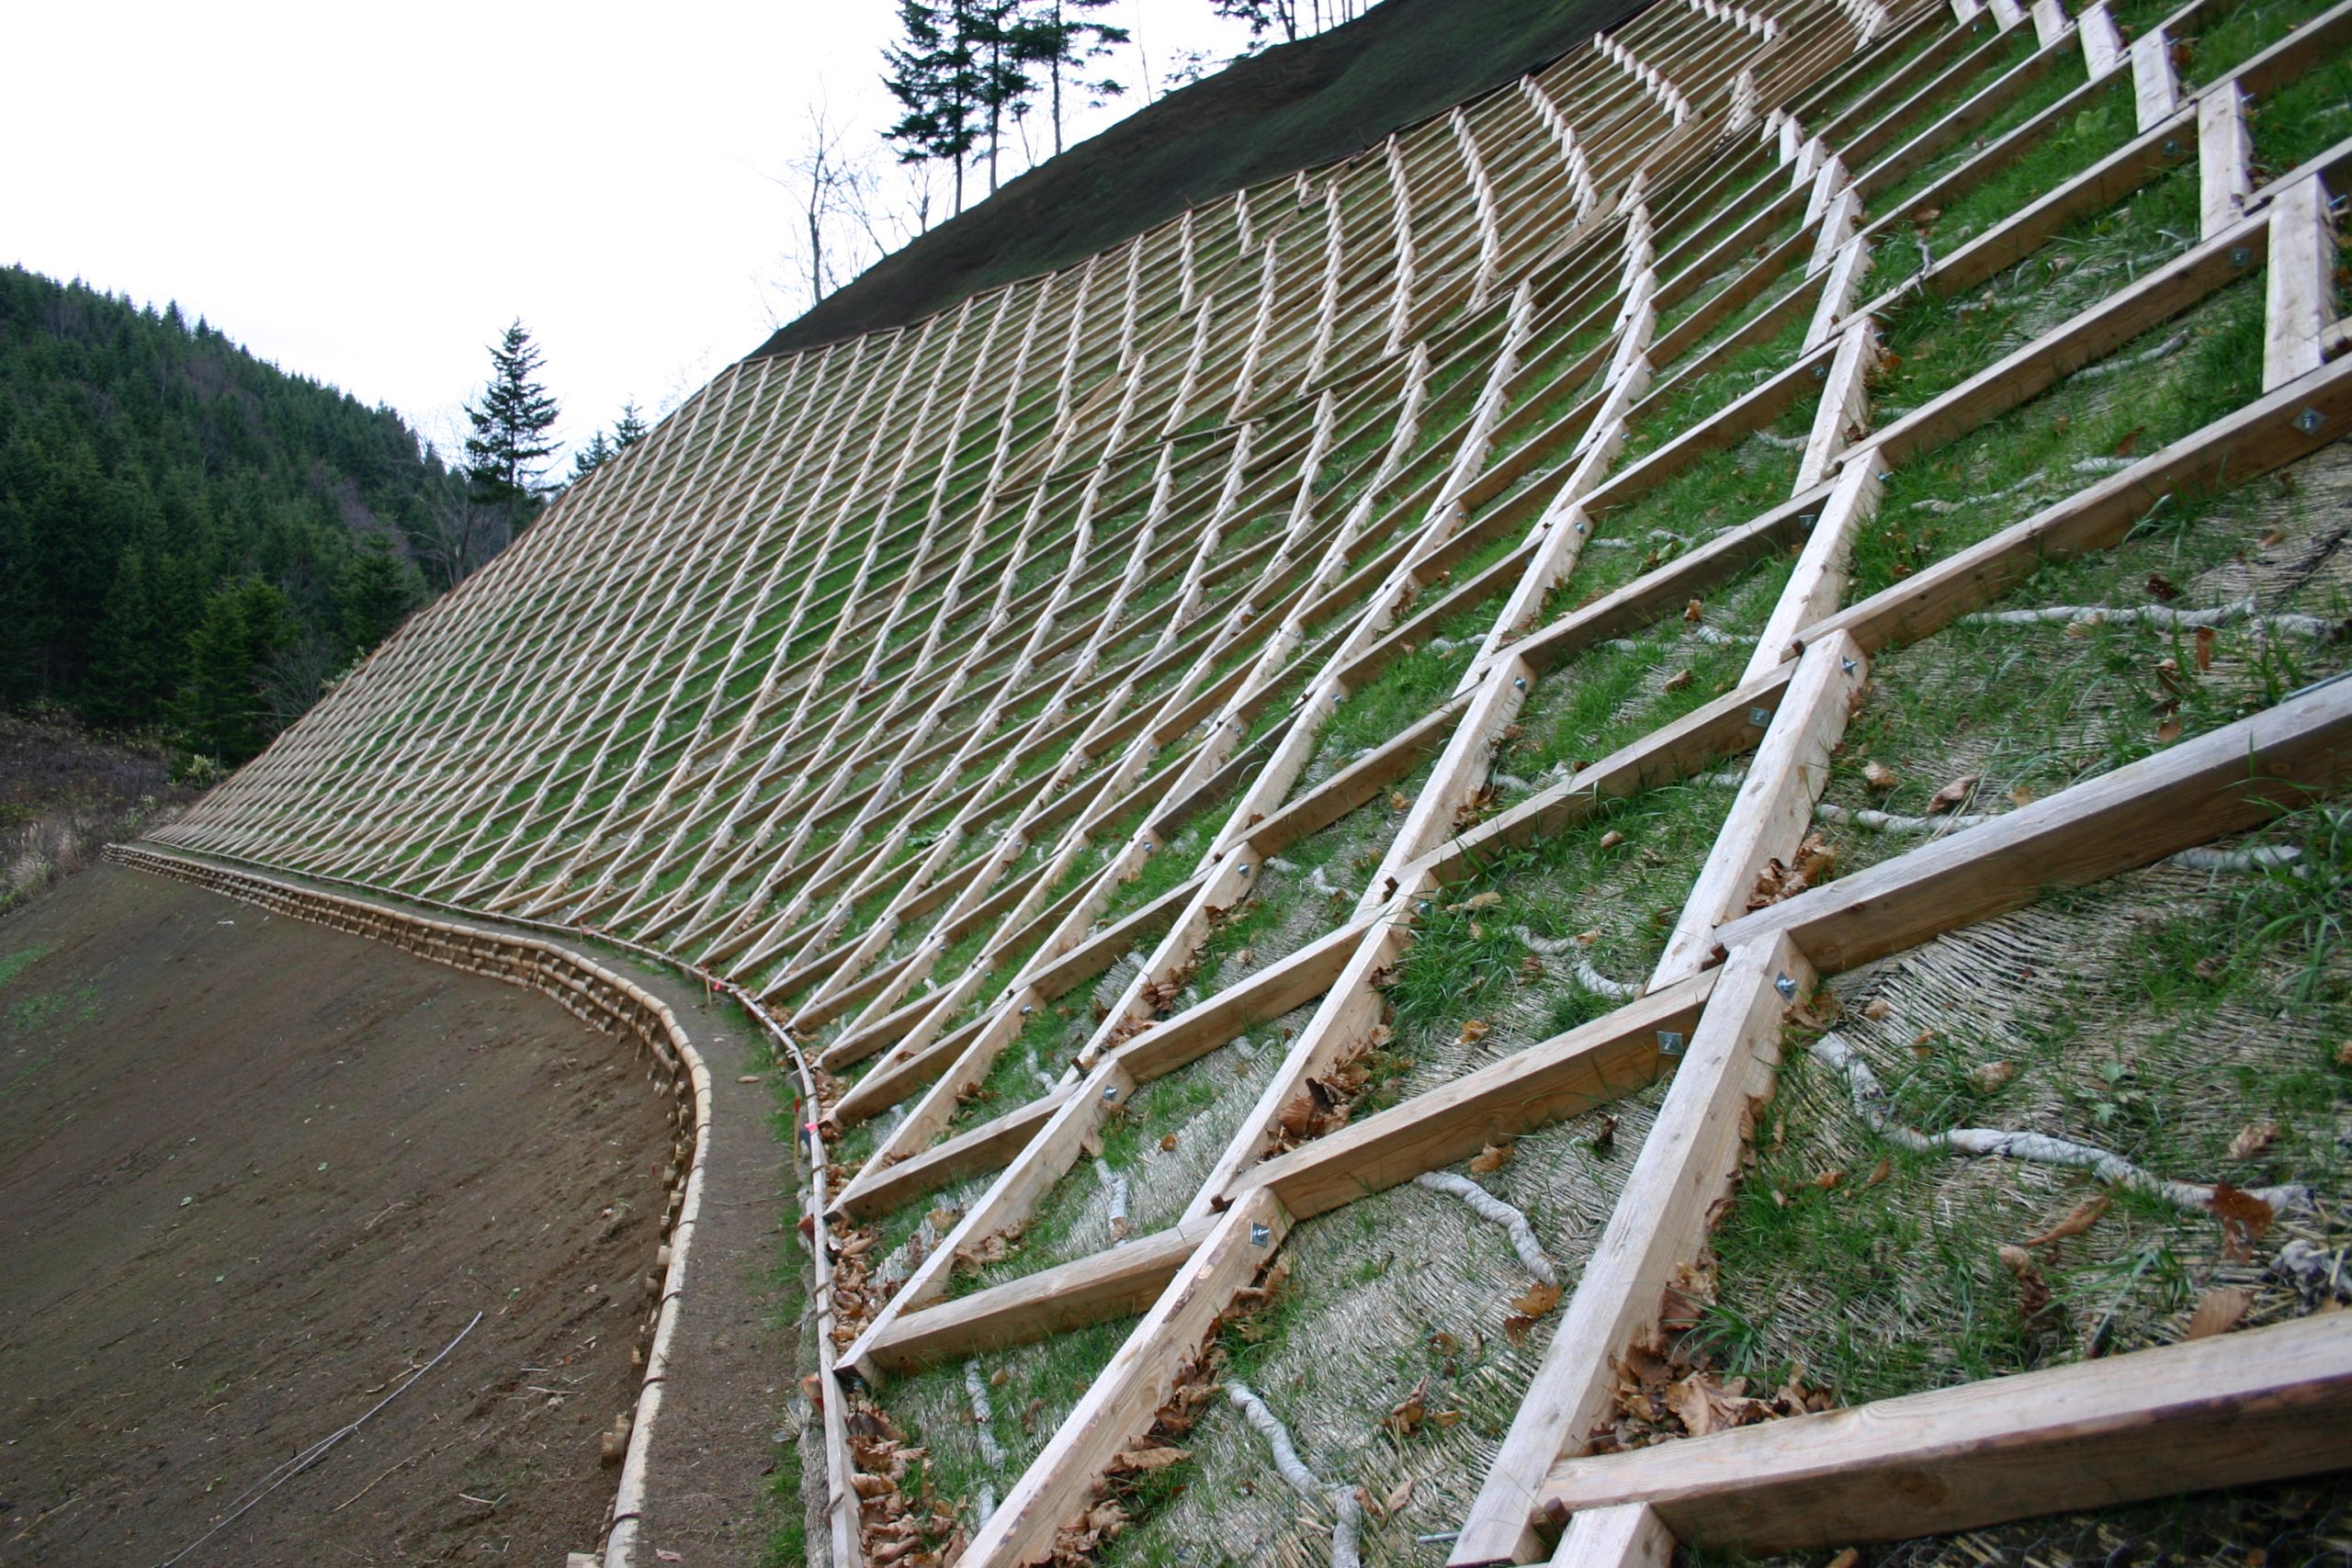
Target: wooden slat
[(1096, 1289), (2224, 158), (1564, 1076), (2299, 299), (2263, 1404), (1630, 1535), (2230, 779), (1769, 818), (1687, 1162), (2259, 437), (1118, 1405)]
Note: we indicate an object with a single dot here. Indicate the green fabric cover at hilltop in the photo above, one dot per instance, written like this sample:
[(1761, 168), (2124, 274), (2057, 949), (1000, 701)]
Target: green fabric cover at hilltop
[(1291, 108)]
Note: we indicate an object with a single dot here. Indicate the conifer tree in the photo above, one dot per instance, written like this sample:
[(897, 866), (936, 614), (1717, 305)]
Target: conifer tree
[(630, 428), (221, 710), (594, 455), (934, 73), (1059, 36), (508, 449), (375, 594)]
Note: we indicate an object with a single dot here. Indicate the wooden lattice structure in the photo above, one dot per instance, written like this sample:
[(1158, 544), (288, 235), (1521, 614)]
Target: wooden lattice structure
[(884, 680)]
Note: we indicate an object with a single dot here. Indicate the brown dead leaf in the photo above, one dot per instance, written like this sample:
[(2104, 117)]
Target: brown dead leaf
[(2243, 1219), (1850, 1558), (1537, 1299), (2033, 1290), (1879, 1173), (2273, 538), (1167, 1141), (1952, 796), (1676, 682), (1398, 800), (2218, 1311), (1405, 1418), (1880, 777), (2204, 648), (2080, 1218), (1993, 1074), (1398, 1495), (1143, 1460), (1530, 970), (1606, 1139), (1877, 1009), (1474, 1030), (2167, 732), (1828, 1179), (2130, 444), (2161, 588), (2253, 1138), (1445, 1344), (1491, 1159), (1516, 1328), (1612, 838), (1693, 612)]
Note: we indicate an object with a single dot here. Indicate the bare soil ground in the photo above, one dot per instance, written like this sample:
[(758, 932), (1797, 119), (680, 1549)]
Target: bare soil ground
[(252, 1174)]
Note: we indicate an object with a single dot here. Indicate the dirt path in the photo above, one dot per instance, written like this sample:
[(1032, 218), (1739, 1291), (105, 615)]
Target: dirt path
[(252, 1171)]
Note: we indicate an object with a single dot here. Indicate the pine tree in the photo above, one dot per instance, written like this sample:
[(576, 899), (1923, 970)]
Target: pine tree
[(934, 73), (221, 711), (630, 428), (1061, 39), (375, 594), (511, 443), (594, 455)]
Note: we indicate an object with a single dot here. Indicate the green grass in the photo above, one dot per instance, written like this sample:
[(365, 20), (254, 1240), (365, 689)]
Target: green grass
[(24, 958), (2173, 1021), (2011, 466)]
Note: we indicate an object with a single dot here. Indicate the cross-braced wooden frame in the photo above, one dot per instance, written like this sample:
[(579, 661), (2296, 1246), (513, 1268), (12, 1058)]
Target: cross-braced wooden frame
[(877, 680)]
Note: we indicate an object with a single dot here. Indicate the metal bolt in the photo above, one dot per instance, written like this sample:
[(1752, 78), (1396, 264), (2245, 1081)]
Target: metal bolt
[(1847, 665), (2240, 255), (1786, 987), (1422, 907), (1519, 682), (1244, 868), (1760, 717), (1335, 697), (1579, 527), (1808, 518), (1669, 1043), (1261, 1236), (1110, 1093), (1821, 372), (2172, 147), (2309, 421)]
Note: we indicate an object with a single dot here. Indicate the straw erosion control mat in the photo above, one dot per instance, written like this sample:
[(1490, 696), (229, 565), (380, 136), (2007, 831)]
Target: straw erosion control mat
[(254, 1174)]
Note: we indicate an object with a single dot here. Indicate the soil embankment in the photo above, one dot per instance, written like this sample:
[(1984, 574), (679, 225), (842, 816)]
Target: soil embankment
[(252, 1174)]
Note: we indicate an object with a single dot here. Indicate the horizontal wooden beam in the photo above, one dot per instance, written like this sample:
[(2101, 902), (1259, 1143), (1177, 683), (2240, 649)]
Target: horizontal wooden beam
[(2266, 1404), (1116, 1282), (2232, 778), (1564, 1075)]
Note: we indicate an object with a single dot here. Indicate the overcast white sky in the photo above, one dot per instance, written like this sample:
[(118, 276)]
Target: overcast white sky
[(367, 195)]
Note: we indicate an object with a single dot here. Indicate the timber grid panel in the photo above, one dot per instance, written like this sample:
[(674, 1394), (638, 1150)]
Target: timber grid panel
[(871, 683)]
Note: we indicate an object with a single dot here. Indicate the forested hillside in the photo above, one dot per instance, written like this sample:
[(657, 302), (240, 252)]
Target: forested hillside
[(191, 541)]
